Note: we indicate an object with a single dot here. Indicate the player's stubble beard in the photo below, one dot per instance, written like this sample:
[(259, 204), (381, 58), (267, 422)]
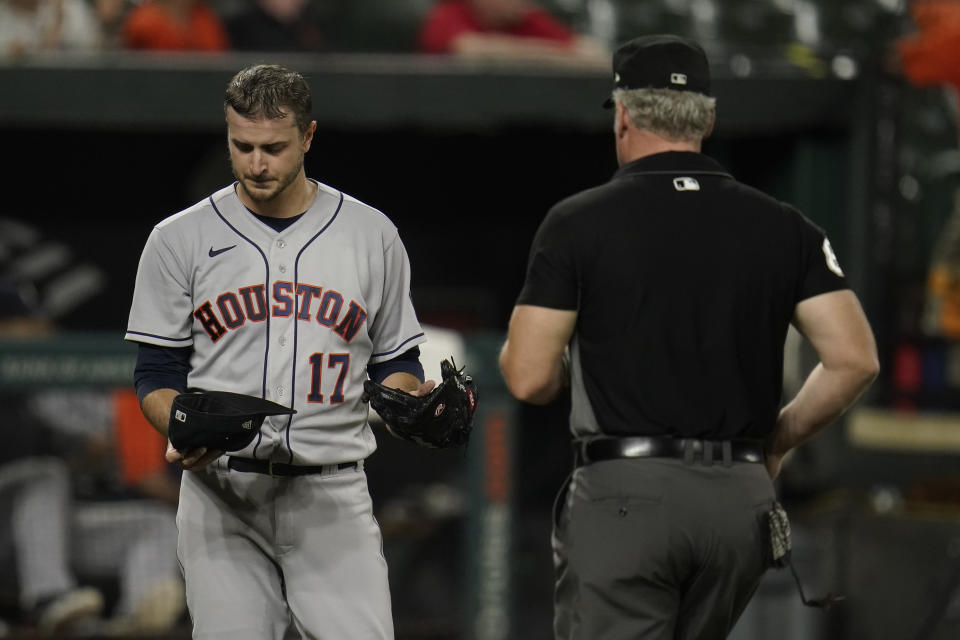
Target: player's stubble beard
[(282, 182)]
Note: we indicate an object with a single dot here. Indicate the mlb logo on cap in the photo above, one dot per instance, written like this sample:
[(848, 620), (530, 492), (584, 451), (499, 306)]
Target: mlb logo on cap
[(661, 62)]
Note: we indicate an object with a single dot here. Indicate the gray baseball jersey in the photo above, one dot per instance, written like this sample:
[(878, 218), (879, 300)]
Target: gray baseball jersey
[(293, 316)]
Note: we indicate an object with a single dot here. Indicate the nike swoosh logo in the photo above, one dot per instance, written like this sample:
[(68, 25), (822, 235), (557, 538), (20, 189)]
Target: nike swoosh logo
[(215, 252)]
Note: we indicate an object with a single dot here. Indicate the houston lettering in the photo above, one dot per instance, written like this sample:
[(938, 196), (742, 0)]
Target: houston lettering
[(232, 310)]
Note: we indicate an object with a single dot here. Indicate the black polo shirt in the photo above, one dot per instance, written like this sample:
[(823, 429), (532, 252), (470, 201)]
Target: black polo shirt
[(684, 282)]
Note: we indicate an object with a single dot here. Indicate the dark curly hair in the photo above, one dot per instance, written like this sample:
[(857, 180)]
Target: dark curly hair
[(269, 91)]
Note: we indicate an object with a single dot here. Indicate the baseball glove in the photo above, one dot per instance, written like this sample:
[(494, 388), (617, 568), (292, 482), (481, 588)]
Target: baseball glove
[(443, 418), (218, 420)]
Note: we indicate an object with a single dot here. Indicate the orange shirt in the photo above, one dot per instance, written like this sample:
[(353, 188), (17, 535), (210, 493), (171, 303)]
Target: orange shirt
[(139, 447), (151, 26), (931, 56)]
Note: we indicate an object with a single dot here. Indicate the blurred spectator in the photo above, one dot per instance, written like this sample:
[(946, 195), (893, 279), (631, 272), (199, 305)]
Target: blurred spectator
[(125, 509), (175, 25), (280, 25), (36, 507), (930, 57), (35, 501), (85, 488), (112, 14), (37, 25), (504, 29)]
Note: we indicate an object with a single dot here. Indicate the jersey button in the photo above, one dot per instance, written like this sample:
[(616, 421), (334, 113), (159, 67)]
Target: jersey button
[(279, 392), (283, 341), (281, 244), (283, 268)]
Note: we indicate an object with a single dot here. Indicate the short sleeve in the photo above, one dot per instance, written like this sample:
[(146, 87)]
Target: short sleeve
[(162, 308), (821, 271), (395, 328), (552, 279)]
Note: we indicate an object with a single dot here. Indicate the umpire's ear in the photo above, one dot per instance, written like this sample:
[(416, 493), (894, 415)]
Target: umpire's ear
[(713, 122), (622, 121), (307, 138)]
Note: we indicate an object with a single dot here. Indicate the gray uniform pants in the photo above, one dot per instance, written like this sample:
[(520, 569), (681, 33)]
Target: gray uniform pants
[(658, 549), (134, 540), (52, 535), (35, 499), (262, 555)]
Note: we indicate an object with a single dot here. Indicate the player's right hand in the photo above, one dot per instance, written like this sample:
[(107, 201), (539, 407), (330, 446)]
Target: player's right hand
[(195, 459)]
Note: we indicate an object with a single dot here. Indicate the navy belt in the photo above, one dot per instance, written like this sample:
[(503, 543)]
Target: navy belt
[(270, 468), (590, 450)]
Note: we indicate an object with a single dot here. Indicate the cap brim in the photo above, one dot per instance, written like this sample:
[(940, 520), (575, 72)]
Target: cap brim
[(244, 404)]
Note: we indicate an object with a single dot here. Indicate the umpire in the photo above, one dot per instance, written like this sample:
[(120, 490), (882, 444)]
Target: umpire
[(663, 299)]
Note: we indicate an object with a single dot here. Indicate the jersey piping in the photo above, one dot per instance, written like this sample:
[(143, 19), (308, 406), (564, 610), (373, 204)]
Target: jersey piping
[(296, 326), (153, 335), (400, 346), (266, 265)]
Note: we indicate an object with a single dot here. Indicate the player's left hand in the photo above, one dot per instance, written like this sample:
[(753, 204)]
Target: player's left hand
[(195, 459), (430, 415), (423, 389)]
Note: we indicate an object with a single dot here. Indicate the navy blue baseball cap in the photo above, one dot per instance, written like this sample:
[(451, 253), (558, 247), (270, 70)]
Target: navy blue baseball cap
[(661, 61), (218, 419)]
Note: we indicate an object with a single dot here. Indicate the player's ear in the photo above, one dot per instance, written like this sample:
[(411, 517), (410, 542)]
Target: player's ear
[(307, 137)]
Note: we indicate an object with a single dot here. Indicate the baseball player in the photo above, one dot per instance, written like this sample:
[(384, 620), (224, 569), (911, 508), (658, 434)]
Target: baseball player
[(286, 289)]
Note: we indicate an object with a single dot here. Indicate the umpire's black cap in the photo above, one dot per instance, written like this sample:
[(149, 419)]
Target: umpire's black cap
[(662, 61)]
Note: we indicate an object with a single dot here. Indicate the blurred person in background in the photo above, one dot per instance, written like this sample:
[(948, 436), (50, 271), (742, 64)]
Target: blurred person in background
[(125, 503), (281, 25), (930, 57), (112, 14), (88, 492), (36, 501), (662, 299), (175, 25), (515, 29), (47, 25)]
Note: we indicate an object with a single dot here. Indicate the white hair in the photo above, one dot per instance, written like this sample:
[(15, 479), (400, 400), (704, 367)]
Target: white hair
[(676, 115)]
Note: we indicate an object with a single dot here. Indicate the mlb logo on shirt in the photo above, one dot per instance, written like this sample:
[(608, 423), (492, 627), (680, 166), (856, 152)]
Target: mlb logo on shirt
[(180, 415), (686, 184), (247, 425)]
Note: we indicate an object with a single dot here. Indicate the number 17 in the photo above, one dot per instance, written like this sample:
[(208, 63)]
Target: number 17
[(341, 360)]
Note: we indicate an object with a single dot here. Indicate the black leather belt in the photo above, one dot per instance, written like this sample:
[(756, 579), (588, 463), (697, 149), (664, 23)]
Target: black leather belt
[(590, 450), (270, 468)]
